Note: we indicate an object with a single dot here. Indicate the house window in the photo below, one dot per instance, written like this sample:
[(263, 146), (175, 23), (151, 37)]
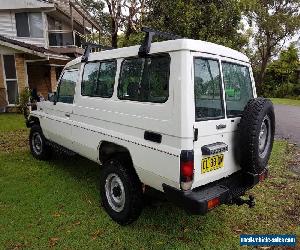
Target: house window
[(29, 25), (54, 24), (10, 78)]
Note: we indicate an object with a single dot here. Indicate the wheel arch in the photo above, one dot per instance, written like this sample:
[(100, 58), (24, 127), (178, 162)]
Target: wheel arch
[(32, 120), (108, 150)]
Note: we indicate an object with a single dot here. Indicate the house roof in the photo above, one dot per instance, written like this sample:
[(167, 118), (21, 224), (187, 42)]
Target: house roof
[(31, 49), (51, 5), (25, 4)]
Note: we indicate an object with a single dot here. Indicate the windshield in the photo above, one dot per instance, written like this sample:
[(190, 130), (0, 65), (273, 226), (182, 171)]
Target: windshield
[(208, 88)]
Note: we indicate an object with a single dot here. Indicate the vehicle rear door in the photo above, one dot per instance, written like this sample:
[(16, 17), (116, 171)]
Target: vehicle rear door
[(216, 137)]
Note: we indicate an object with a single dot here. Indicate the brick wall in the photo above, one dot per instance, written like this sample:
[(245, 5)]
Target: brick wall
[(21, 71), (39, 78), (3, 101), (53, 80)]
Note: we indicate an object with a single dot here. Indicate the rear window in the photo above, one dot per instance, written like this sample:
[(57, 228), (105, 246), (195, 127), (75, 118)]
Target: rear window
[(207, 89), (145, 79), (238, 88)]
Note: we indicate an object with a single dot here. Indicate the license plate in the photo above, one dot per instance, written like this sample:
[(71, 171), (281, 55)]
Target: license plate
[(212, 163)]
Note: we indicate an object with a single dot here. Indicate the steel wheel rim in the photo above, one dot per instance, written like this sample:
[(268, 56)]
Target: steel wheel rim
[(115, 193), (37, 143), (264, 138)]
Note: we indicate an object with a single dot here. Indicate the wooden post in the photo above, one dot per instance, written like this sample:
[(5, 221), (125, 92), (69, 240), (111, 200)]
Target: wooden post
[(72, 21), (93, 36), (99, 40), (83, 24)]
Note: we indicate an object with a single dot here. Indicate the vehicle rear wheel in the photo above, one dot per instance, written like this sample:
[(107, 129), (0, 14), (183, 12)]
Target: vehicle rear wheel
[(257, 129), (121, 191), (38, 144)]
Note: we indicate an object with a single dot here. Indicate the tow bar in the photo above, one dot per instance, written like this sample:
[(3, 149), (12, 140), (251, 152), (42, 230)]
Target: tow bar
[(240, 201)]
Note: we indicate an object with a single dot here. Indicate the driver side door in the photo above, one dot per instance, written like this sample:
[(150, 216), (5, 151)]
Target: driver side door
[(59, 113)]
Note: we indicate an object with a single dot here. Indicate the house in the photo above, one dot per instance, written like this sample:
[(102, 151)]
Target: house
[(37, 38)]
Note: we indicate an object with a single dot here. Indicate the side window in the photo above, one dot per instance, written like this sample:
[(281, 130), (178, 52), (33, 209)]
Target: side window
[(145, 79), (89, 78), (238, 89), (106, 79), (130, 79), (67, 86), (99, 79), (207, 89)]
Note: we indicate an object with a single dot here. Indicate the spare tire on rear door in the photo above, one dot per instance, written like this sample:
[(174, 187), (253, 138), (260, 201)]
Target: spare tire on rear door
[(256, 129)]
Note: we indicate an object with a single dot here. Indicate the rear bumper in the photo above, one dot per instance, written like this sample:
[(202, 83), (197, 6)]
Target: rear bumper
[(225, 190)]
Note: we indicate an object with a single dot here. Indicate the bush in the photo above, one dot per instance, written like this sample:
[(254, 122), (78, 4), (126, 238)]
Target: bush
[(23, 101), (296, 90), (285, 90)]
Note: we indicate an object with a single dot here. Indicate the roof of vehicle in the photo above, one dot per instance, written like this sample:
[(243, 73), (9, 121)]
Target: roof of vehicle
[(167, 46)]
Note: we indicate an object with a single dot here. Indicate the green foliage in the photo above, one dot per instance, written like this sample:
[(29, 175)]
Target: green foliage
[(96, 8), (134, 39), (282, 74), (24, 98), (215, 21), (273, 22)]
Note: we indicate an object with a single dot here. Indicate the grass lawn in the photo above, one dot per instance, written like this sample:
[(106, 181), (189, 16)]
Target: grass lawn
[(56, 204), (285, 101)]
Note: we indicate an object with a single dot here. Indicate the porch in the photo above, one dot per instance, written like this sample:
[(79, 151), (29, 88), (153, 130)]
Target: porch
[(26, 66)]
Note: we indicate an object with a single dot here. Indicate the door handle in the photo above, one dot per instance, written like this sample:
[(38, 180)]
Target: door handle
[(67, 115), (152, 136), (221, 126)]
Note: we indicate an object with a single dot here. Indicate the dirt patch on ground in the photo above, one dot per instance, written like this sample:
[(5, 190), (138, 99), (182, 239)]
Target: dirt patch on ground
[(13, 141), (293, 211), (294, 162)]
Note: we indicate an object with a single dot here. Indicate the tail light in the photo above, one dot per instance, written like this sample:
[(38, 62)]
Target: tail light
[(186, 169), (213, 203)]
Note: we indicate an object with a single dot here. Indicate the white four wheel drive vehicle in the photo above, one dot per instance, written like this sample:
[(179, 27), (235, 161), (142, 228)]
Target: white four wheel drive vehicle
[(179, 116)]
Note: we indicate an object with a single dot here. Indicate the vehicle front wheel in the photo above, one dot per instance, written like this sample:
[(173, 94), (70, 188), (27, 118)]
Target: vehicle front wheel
[(38, 144), (121, 191)]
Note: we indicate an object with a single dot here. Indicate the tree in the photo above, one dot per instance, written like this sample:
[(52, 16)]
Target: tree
[(281, 74), (123, 16), (96, 9), (215, 20), (274, 21)]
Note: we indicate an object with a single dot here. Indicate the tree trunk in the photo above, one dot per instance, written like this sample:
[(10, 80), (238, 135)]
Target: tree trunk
[(128, 32), (263, 67), (261, 75), (114, 34), (114, 40)]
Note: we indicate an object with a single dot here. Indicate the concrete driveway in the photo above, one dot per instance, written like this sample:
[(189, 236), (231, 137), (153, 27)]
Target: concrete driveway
[(288, 123)]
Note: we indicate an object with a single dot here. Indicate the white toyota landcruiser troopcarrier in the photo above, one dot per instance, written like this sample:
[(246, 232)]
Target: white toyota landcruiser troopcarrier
[(179, 116)]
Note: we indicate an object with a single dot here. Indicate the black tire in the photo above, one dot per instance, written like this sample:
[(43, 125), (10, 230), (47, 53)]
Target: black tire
[(255, 144), (131, 209), (38, 144)]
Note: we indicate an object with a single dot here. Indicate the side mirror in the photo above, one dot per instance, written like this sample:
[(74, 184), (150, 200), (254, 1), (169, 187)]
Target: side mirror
[(52, 97)]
